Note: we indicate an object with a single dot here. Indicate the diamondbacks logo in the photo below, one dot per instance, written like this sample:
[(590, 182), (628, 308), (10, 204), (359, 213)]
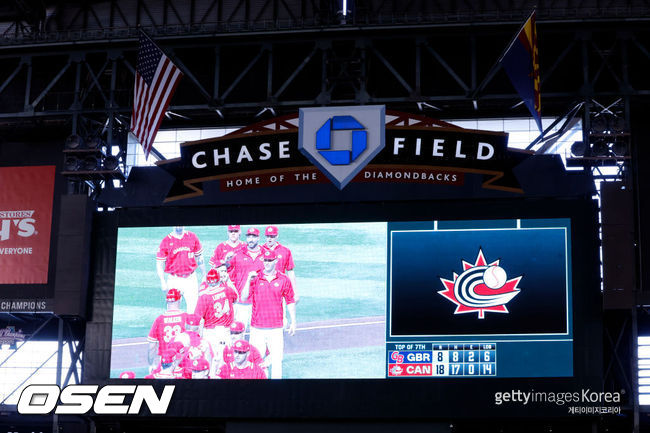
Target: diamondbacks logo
[(481, 287), (341, 141)]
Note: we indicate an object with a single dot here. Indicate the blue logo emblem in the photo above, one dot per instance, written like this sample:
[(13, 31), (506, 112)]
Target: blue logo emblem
[(341, 141), (341, 123)]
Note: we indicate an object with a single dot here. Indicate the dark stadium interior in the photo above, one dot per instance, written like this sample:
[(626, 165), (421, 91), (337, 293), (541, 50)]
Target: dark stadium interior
[(66, 79)]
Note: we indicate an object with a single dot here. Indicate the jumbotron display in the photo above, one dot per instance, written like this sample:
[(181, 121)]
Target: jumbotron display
[(393, 300)]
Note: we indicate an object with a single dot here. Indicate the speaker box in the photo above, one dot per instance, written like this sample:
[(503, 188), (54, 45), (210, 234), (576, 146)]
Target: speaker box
[(73, 256), (619, 257)]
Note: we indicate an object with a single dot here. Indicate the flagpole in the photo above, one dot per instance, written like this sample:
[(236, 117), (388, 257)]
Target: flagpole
[(497, 65)]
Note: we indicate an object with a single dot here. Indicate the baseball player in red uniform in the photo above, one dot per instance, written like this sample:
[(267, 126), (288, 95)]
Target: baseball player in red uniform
[(179, 370), (166, 326), (218, 275), (237, 333), (225, 250), (193, 340), (241, 367), (242, 263), (285, 259), (166, 368), (199, 368), (179, 255), (267, 292), (216, 308)]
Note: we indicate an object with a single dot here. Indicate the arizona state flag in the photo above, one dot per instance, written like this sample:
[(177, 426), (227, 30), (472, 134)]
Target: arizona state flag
[(521, 63)]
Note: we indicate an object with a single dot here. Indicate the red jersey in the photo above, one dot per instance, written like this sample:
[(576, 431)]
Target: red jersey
[(216, 307), (166, 327), (253, 356), (179, 255), (203, 287), (243, 263), (285, 259), (251, 371), (219, 255), (200, 343), (266, 297)]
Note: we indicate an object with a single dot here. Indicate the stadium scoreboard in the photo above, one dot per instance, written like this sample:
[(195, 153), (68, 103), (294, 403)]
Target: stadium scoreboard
[(479, 298), (441, 359)]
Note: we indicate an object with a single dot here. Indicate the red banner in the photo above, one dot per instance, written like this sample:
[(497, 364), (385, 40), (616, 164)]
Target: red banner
[(26, 195)]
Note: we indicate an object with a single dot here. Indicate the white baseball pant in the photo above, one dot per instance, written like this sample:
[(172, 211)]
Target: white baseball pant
[(217, 338), (189, 288), (273, 339), (243, 314)]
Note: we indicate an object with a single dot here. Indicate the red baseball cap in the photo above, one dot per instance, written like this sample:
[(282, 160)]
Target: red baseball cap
[(236, 327), (200, 364), (127, 375), (168, 356), (241, 346), (234, 228), (270, 255), (193, 320), (173, 295), (253, 231), (271, 231), (212, 276)]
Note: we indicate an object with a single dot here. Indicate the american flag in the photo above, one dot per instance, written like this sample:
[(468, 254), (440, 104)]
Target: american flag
[(156, 78)]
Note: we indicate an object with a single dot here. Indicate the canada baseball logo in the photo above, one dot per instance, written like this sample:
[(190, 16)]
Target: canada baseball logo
[(481, 287)]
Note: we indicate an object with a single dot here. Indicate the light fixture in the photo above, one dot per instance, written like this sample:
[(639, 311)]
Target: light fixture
[(111, 163), (71, 163), (73, 142), (599, 148), (94, 142), (90, 163), (599, 124), (578, 148)]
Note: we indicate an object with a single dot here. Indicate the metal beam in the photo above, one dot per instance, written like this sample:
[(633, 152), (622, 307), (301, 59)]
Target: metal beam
[(446, 67), (243, 73), (51, 84), (393, 71)]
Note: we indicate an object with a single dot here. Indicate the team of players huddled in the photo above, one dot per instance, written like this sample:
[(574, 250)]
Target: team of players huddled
[(247, 289)]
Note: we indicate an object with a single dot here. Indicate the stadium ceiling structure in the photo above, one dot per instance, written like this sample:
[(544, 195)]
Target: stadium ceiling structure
[(65, 62)]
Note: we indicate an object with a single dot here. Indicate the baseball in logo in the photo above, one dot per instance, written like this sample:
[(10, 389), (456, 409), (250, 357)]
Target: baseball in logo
[(481, 287)]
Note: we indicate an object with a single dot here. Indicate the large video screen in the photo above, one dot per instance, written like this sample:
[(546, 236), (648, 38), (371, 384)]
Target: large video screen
[(383, 300)]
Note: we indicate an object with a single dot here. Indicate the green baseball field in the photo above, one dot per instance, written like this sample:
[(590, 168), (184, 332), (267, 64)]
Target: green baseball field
[(340, 277)]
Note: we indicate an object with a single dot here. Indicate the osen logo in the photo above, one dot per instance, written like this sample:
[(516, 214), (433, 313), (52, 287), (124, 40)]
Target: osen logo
[(19, 222), (341, 141), (80, 399)]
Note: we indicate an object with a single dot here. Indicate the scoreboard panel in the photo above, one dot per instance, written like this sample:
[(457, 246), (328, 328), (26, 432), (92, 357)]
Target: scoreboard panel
[(484, 298), (441, 359)]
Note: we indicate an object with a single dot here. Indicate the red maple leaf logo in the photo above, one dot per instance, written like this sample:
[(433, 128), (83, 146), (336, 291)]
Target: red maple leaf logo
[(471, 294)]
